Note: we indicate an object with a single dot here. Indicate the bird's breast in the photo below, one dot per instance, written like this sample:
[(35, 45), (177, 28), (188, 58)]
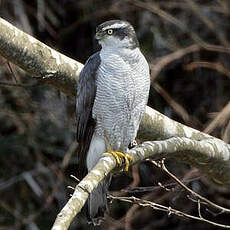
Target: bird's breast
[(122, 89)]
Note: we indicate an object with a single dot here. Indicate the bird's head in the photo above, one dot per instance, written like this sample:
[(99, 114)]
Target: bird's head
[(116, 34)]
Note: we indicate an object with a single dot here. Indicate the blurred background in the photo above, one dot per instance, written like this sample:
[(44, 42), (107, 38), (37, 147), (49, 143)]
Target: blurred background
[(187, 44)]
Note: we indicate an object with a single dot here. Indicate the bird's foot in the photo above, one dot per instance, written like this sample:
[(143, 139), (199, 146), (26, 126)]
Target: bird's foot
[(120, 158)]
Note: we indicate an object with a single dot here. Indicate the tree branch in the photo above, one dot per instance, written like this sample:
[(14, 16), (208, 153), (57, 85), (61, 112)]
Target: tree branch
[(38, 59), (201, 150), (180, 148), (199, 198), (169, 210)]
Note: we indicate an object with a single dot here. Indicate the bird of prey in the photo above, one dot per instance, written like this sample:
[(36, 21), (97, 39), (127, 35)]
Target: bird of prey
[(112, 93)]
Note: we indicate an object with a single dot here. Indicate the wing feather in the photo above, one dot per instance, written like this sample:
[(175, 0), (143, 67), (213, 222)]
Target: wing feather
[(86, 92)]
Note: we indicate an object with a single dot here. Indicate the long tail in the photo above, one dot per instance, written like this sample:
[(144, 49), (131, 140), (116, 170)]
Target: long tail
[(97, 201)]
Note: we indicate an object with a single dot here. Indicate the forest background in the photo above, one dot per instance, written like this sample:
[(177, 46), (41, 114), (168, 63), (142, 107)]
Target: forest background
[(190, 84)]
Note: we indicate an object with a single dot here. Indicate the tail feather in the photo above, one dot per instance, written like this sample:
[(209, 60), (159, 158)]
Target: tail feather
[(97, 203)]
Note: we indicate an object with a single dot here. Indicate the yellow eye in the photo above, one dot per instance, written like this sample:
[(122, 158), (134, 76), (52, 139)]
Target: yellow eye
[(110, 32)]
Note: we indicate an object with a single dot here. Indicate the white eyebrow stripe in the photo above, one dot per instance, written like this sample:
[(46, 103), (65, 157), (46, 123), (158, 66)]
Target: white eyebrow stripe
[(115, 26)]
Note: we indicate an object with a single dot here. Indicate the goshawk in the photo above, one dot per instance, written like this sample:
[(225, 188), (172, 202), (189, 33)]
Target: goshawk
[(112, 93)]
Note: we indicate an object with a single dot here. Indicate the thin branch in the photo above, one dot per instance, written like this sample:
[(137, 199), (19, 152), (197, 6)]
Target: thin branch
[(152, 188), (159, 64), (154, 8), (168, 210), (221, 117), (210, 65), (11, 70), (172, 102), (209, 23), (161, 165), (174, 5)]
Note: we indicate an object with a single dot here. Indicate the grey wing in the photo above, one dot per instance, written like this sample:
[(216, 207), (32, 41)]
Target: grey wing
[(86, 92)]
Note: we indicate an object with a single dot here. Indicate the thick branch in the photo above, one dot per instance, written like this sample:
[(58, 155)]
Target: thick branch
[(182, 149), (38, 59)]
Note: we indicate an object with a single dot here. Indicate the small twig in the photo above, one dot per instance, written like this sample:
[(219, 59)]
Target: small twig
[(164, 187), (196, 8), (169, 210), (199, 212), (70, 187), (180, 110), (152, 188), (210, 65), (159, 64), (11, 70), (213, 213), (219, 120), (155, 9), (201, 198), (69, 153), (75, 178)]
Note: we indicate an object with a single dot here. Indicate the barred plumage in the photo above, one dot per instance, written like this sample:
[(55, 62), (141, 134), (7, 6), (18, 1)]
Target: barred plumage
[(122, 90)]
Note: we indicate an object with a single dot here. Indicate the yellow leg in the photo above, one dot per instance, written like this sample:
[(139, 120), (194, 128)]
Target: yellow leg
[(119, 156)]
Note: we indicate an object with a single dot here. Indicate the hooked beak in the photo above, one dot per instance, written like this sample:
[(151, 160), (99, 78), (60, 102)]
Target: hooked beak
[(98, 35)]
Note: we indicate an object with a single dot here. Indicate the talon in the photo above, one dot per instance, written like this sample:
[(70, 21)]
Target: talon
[(128, 159), (120, 157), (116, 156)]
